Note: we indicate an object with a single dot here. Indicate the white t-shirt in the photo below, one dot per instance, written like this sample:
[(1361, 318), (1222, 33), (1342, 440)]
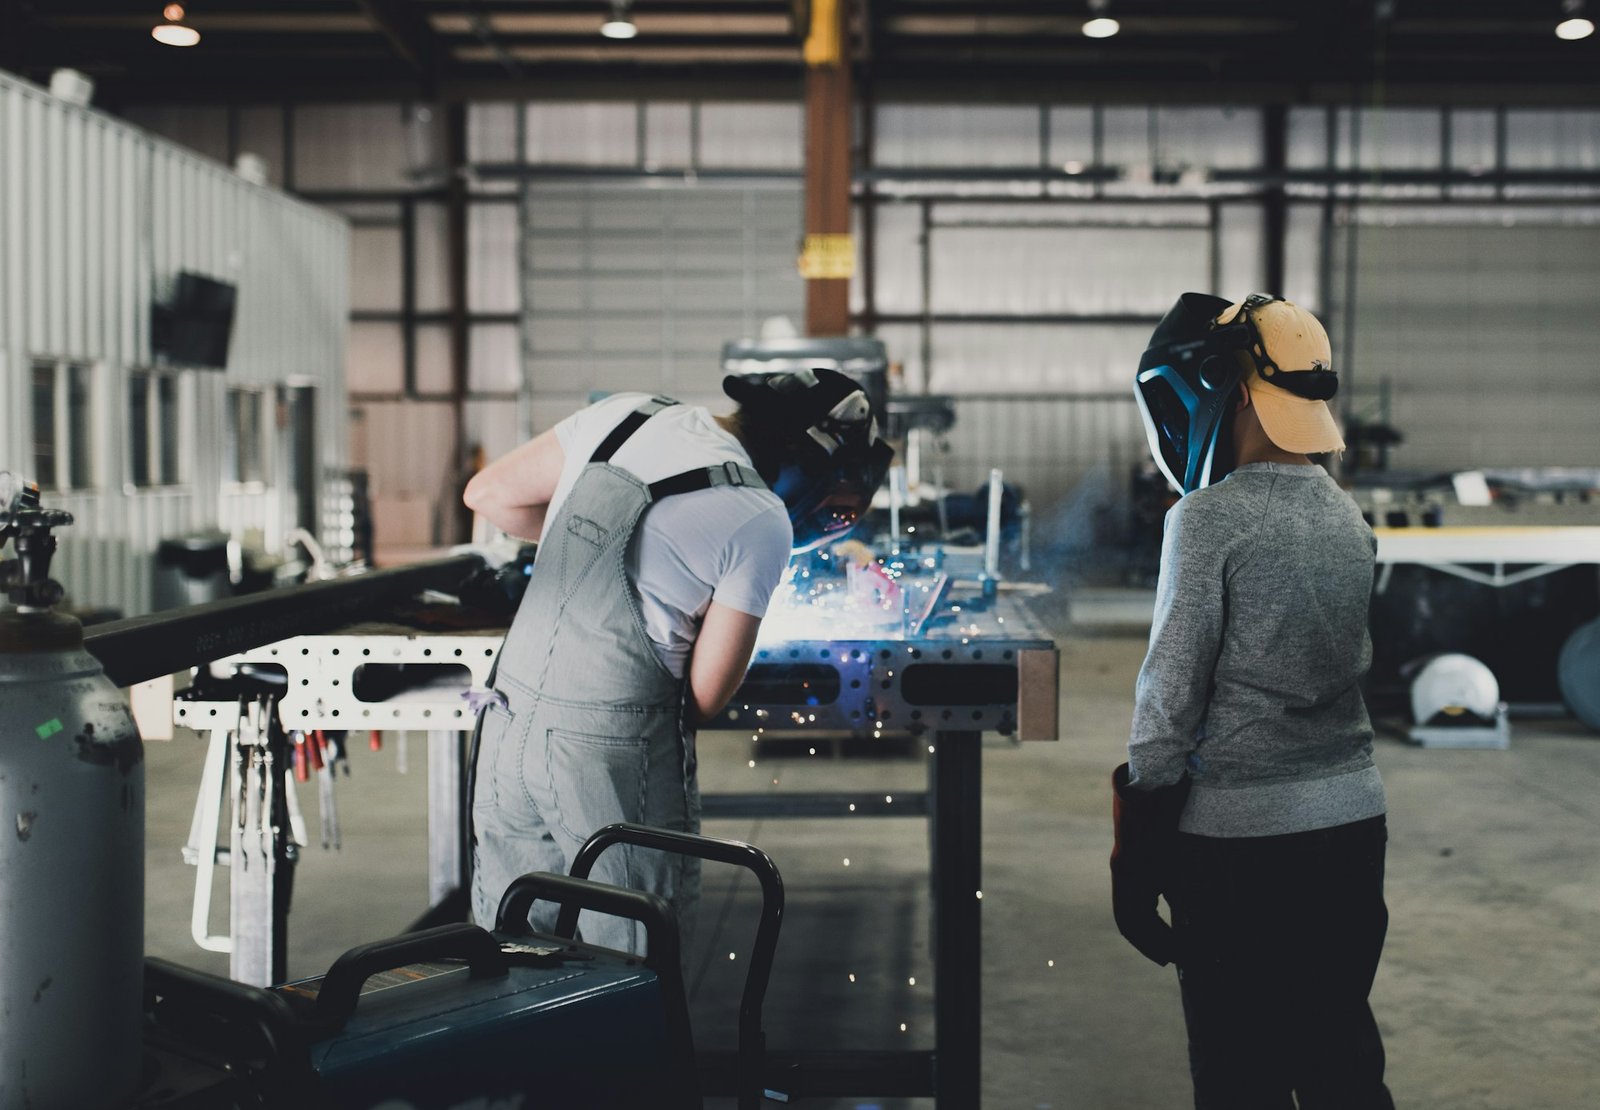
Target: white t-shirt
[(729, 543)]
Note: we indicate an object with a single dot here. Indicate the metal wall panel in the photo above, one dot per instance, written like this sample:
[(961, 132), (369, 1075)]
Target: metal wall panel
[(1072, 456), (356, 146), (594, 133), (405, 447), (1485, 332), (1567, 140), (492, 132), (957, 135), (1032, 358), (96, 218), (1060, 269), (754, 135), (631, 288)]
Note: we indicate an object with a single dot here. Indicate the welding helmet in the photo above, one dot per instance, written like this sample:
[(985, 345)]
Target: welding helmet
[(816, 445), (1189, 376)]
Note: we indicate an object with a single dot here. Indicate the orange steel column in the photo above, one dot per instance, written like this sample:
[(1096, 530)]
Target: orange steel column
[(827, 259)]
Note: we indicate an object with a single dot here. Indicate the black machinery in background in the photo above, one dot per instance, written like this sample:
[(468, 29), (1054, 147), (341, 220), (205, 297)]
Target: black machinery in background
[(1498, 564)]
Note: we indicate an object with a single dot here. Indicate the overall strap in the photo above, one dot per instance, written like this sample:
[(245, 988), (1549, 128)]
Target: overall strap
[(723, 474), (630, 424)]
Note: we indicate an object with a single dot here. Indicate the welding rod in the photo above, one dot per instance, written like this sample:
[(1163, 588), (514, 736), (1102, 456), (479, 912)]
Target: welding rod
[(991, 545)]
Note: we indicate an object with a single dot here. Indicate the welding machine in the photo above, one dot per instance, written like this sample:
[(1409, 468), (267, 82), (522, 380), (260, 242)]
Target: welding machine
[(457, 1017)]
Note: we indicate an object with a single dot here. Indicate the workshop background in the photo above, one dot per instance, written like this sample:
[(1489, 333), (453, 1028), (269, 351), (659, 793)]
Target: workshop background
[(449, 223)]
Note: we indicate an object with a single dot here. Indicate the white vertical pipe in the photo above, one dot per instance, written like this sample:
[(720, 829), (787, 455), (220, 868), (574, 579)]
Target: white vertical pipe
[(991, 546), (897, 496)]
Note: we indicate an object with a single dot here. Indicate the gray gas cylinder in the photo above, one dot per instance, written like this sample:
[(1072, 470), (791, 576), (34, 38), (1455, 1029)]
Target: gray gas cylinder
[(71, 873)]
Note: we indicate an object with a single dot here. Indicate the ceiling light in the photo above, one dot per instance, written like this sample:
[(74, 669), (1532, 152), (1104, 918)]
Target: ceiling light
[(1575, 26), (173, 31), (1100, 25), (620, 25)]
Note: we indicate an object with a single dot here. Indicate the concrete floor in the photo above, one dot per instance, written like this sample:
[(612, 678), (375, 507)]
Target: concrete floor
[(1488, 997)]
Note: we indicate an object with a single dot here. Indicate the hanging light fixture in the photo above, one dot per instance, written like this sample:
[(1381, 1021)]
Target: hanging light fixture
[(1575, 26), (172, 30), (1100, 25), (620, 25)]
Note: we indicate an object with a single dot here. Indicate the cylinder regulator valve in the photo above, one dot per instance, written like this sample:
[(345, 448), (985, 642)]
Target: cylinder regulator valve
[(27, 527)]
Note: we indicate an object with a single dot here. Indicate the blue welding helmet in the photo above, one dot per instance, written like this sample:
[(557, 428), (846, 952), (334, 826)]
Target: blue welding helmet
[(1187, 387), (816, 444), (1189, 377)]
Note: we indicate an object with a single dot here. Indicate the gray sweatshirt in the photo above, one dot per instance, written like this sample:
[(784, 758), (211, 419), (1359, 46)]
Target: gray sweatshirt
[(1259, 643)]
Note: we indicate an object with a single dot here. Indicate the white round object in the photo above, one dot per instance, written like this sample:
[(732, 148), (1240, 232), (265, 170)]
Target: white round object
[(1452, 683)]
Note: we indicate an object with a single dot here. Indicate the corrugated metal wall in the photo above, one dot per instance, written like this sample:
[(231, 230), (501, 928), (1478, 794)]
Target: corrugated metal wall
[(1000, 243), (1483, 324), (95, 217), (637, 288)]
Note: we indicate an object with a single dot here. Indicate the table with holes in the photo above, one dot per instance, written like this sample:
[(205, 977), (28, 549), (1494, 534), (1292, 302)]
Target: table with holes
[(990, 668)]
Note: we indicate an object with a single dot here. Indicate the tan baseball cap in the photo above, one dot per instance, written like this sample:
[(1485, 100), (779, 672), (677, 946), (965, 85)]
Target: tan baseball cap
[(1291, 339)]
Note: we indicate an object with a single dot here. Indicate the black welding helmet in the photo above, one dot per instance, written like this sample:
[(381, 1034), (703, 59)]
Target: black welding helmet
[(816, 444)]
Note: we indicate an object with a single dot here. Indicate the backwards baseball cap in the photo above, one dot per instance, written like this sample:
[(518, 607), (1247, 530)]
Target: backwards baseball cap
[(1289, 371)]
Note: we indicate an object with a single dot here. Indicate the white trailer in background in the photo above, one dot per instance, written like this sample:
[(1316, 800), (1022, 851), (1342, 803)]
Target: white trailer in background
[(97, 220)]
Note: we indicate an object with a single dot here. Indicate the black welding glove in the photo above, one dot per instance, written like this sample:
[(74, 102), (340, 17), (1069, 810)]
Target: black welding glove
[(1142, 861)]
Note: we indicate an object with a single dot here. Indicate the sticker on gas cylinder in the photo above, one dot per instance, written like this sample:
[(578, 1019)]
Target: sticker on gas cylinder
[(49, 728)]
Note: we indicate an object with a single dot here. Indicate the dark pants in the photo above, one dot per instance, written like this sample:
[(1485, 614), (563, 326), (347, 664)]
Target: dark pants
[(1280, 938)]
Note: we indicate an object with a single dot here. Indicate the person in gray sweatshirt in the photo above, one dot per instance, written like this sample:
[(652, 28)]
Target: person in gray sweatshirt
[(1250, 800)]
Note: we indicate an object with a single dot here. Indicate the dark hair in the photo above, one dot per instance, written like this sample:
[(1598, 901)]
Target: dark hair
[(770, 439)]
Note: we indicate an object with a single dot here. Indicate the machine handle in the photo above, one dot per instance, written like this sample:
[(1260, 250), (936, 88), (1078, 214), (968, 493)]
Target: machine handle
[(752, 1040), (341, 987), (578, 893), (197, 995)]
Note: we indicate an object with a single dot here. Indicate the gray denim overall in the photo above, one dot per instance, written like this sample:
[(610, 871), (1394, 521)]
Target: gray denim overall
[(589, 726)]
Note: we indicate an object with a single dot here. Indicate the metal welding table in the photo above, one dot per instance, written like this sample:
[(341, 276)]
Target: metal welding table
[(331, 679), (981, 669), (988, 668)]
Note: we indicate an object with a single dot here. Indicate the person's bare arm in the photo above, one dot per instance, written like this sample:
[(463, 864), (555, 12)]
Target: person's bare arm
[(514, 491), (721, 657)]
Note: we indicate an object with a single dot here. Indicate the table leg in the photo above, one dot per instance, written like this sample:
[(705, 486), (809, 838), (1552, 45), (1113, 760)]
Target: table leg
[(446, 844), (955, 771)]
